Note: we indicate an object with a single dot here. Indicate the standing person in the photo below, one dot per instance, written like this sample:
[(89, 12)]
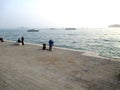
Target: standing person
[(51, 43), (22, 40)]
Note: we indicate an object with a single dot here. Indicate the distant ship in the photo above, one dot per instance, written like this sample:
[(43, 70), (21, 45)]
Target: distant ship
[(33, 30), (70, 28)]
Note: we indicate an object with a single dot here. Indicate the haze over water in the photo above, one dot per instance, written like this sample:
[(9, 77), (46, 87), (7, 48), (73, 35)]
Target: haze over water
[(59, 13)]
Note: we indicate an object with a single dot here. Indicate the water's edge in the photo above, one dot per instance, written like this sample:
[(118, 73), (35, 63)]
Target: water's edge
[(86, 53)]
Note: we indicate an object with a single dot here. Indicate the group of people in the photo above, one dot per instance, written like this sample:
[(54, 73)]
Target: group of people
[(21, 40), (51, 44)]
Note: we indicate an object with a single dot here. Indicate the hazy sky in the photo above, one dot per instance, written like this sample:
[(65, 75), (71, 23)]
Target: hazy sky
[(59, 13)]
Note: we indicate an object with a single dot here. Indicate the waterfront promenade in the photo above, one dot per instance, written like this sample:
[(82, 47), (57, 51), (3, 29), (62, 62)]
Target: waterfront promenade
[(29, 67)]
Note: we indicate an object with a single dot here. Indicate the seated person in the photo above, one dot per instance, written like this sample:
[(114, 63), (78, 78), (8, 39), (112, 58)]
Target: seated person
[(18, 42), (1, 39)]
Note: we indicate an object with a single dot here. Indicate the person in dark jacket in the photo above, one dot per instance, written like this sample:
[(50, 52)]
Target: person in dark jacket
[(22, 40), (1, 39), (18, 40), (44, 46), (51, 43)]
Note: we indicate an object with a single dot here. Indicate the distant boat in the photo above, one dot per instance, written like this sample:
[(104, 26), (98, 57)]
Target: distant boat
[(70, 28), (33, 30)]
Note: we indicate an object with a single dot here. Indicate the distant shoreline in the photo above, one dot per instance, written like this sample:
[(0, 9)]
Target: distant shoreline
[(114, 26)]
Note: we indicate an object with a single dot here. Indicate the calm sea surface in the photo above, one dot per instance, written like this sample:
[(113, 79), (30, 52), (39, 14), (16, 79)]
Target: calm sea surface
[(105, 42)]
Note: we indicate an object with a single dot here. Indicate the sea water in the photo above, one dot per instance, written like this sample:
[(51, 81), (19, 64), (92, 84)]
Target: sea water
[(104, 41)]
